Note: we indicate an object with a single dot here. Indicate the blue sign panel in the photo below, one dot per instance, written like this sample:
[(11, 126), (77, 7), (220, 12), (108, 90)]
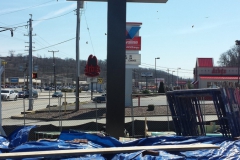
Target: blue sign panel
[(14, 80)]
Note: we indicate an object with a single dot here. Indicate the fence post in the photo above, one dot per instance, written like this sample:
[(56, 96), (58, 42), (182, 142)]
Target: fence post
[(138, 100)]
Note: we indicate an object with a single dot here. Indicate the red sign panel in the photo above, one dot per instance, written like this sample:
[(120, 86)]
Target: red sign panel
[(92, 68), (133, 44)]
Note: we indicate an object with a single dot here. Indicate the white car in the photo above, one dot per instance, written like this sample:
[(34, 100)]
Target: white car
[(9, 94)]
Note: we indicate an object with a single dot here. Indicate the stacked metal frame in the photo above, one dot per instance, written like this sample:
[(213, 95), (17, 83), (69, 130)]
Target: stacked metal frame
[(187, 114), (230, 96)]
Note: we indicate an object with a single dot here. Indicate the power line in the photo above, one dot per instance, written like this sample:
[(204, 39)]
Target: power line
[(13, 24), (55, 44), (49, 44), (54, 17), (164, 67), (26, 8), (89, 34)]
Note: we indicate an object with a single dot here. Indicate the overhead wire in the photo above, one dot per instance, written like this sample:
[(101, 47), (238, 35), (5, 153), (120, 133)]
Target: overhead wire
[(152, 66), (180, 70), (55, 44), (50, 44), (89, 34), (26, 8), (54, 17)]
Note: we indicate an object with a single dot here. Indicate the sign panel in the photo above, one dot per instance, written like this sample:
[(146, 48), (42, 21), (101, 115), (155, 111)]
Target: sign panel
[(14, 80), (146, 74), (92, 69), (100, 80), (133, 44), (133, 59)]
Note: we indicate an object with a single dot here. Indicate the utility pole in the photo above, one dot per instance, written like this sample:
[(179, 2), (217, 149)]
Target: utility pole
[(79, 5), (54, 70), (30, 64)]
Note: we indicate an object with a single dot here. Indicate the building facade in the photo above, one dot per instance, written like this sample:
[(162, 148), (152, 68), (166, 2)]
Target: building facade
[(206, 75)]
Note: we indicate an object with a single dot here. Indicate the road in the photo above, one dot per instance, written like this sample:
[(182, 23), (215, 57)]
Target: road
[(13, 108), (10, 108)]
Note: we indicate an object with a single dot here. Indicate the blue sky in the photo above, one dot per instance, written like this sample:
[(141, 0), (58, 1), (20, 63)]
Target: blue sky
[(166, 30)]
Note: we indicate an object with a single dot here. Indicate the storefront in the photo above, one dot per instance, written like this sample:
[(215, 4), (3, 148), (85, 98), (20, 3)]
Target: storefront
[(206, 75)]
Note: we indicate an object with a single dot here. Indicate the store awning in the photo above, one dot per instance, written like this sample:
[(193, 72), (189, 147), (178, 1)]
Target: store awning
[(220, 77)]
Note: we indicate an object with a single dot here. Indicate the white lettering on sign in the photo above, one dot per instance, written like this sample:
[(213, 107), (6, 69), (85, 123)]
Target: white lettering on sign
[(131, 42), (133, 59)]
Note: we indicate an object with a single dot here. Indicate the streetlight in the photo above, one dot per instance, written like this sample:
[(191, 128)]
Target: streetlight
[(156, 73), (177, 75), (168, 78), (237, 42), (172, 78)]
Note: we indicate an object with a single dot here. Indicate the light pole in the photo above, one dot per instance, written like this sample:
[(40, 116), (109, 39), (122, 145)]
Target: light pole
[(54, 70), (172, 78), (4, 79), (156, 73), (168, 78), (177, 75), (237, 42)]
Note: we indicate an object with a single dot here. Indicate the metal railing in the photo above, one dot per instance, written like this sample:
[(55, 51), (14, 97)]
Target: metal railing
[(57, 114)]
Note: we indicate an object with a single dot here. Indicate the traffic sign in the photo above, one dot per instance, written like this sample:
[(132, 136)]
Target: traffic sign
[(100, 80)]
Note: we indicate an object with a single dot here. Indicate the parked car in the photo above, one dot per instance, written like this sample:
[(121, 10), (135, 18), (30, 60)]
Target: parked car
[(8, 94), (99, 99), (21, 94), (25, 94), (57, 94), (16, 91)]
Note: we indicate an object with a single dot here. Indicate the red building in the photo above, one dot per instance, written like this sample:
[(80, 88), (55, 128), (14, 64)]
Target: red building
[(206, 75)]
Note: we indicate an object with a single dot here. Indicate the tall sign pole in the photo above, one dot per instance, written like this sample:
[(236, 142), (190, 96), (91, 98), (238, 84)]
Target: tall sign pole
[(116, 50)]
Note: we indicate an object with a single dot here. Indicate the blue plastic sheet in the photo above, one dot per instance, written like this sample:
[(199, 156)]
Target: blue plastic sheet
[(16, 142)]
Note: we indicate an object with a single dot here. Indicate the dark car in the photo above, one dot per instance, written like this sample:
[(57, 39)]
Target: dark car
[(99, 99), (57, 94), (25, 94)]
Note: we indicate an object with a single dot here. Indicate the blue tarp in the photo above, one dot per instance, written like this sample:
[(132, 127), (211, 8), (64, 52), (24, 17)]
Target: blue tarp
[(17, 142)]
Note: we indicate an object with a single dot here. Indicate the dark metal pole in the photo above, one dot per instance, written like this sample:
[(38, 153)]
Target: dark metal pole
[(116, 51)]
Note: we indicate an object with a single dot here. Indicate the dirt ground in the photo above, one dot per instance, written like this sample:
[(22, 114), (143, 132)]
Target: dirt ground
[(52, 114)]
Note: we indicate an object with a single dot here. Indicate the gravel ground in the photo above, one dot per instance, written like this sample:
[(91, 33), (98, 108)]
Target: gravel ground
[(101, 112)]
